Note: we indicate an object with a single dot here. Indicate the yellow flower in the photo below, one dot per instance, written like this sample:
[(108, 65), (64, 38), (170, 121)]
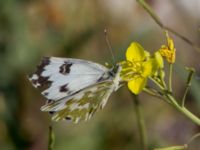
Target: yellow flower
[(139, 66), (168, 51)]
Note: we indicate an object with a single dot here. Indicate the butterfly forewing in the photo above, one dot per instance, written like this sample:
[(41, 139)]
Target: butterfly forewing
[(63, 76)]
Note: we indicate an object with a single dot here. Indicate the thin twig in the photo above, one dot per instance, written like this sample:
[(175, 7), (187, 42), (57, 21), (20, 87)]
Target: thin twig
[(170, 77), (157, 83), (141, 123), (188, 84), (177, 147), (152, 92), (195, 47), (183, 110), (51, 138), (193, 138), (180, 147), (151, 12), (158, 21), (157, 94), (171, 100)]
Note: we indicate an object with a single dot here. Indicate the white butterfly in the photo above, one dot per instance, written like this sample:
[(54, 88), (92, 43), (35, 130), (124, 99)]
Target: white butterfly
[(75, 89)]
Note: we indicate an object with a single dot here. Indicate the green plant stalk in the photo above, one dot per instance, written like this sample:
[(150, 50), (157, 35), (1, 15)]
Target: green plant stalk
[(193, 138), (172, 101), (188, 84), (180, 147), (157, 83), (184, 96), (163, 83), (151, 12), (155, 93), (166, 95), (183, 110), (195, 47), (152, 92), (141, 123), (170, 77), (51, 138)]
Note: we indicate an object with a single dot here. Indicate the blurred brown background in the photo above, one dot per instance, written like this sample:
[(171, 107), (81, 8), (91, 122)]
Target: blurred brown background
[(30, 29)]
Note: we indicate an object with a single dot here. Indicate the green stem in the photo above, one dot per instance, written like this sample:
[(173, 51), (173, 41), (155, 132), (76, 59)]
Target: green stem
[(155, 93), (188, 84), (158, 84), (171, 100), (193, 138), (141, 123), (151, 12), (183, 110), (180, 147), (152, 92), (185, 39), (177, 147), (184, 96), (170, 77), (51, 138), (163, 83)]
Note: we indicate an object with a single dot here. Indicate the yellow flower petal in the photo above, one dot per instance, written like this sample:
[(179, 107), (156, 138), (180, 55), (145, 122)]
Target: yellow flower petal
[(147, 68), (170, 55), (159, 59), (169, 51), (135, 52), (137, 85), (147, 54), (170, 43)]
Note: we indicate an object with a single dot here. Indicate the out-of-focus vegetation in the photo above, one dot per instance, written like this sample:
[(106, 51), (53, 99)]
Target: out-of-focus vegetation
[(30, 29)]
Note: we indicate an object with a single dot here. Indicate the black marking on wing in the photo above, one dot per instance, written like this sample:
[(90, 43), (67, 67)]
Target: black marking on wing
[(40, 68), (68, 118), (41, 80), (45, 93), (65, 68), (49, 101), (104, 77), (110, 74), (100, 79), (92, 111), (64, 88), (52, 112)]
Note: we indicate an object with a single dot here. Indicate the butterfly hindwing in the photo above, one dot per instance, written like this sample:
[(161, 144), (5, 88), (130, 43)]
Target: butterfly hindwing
[(82, 105)]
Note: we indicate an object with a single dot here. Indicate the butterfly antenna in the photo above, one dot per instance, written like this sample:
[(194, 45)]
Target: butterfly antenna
[(109, 46)]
